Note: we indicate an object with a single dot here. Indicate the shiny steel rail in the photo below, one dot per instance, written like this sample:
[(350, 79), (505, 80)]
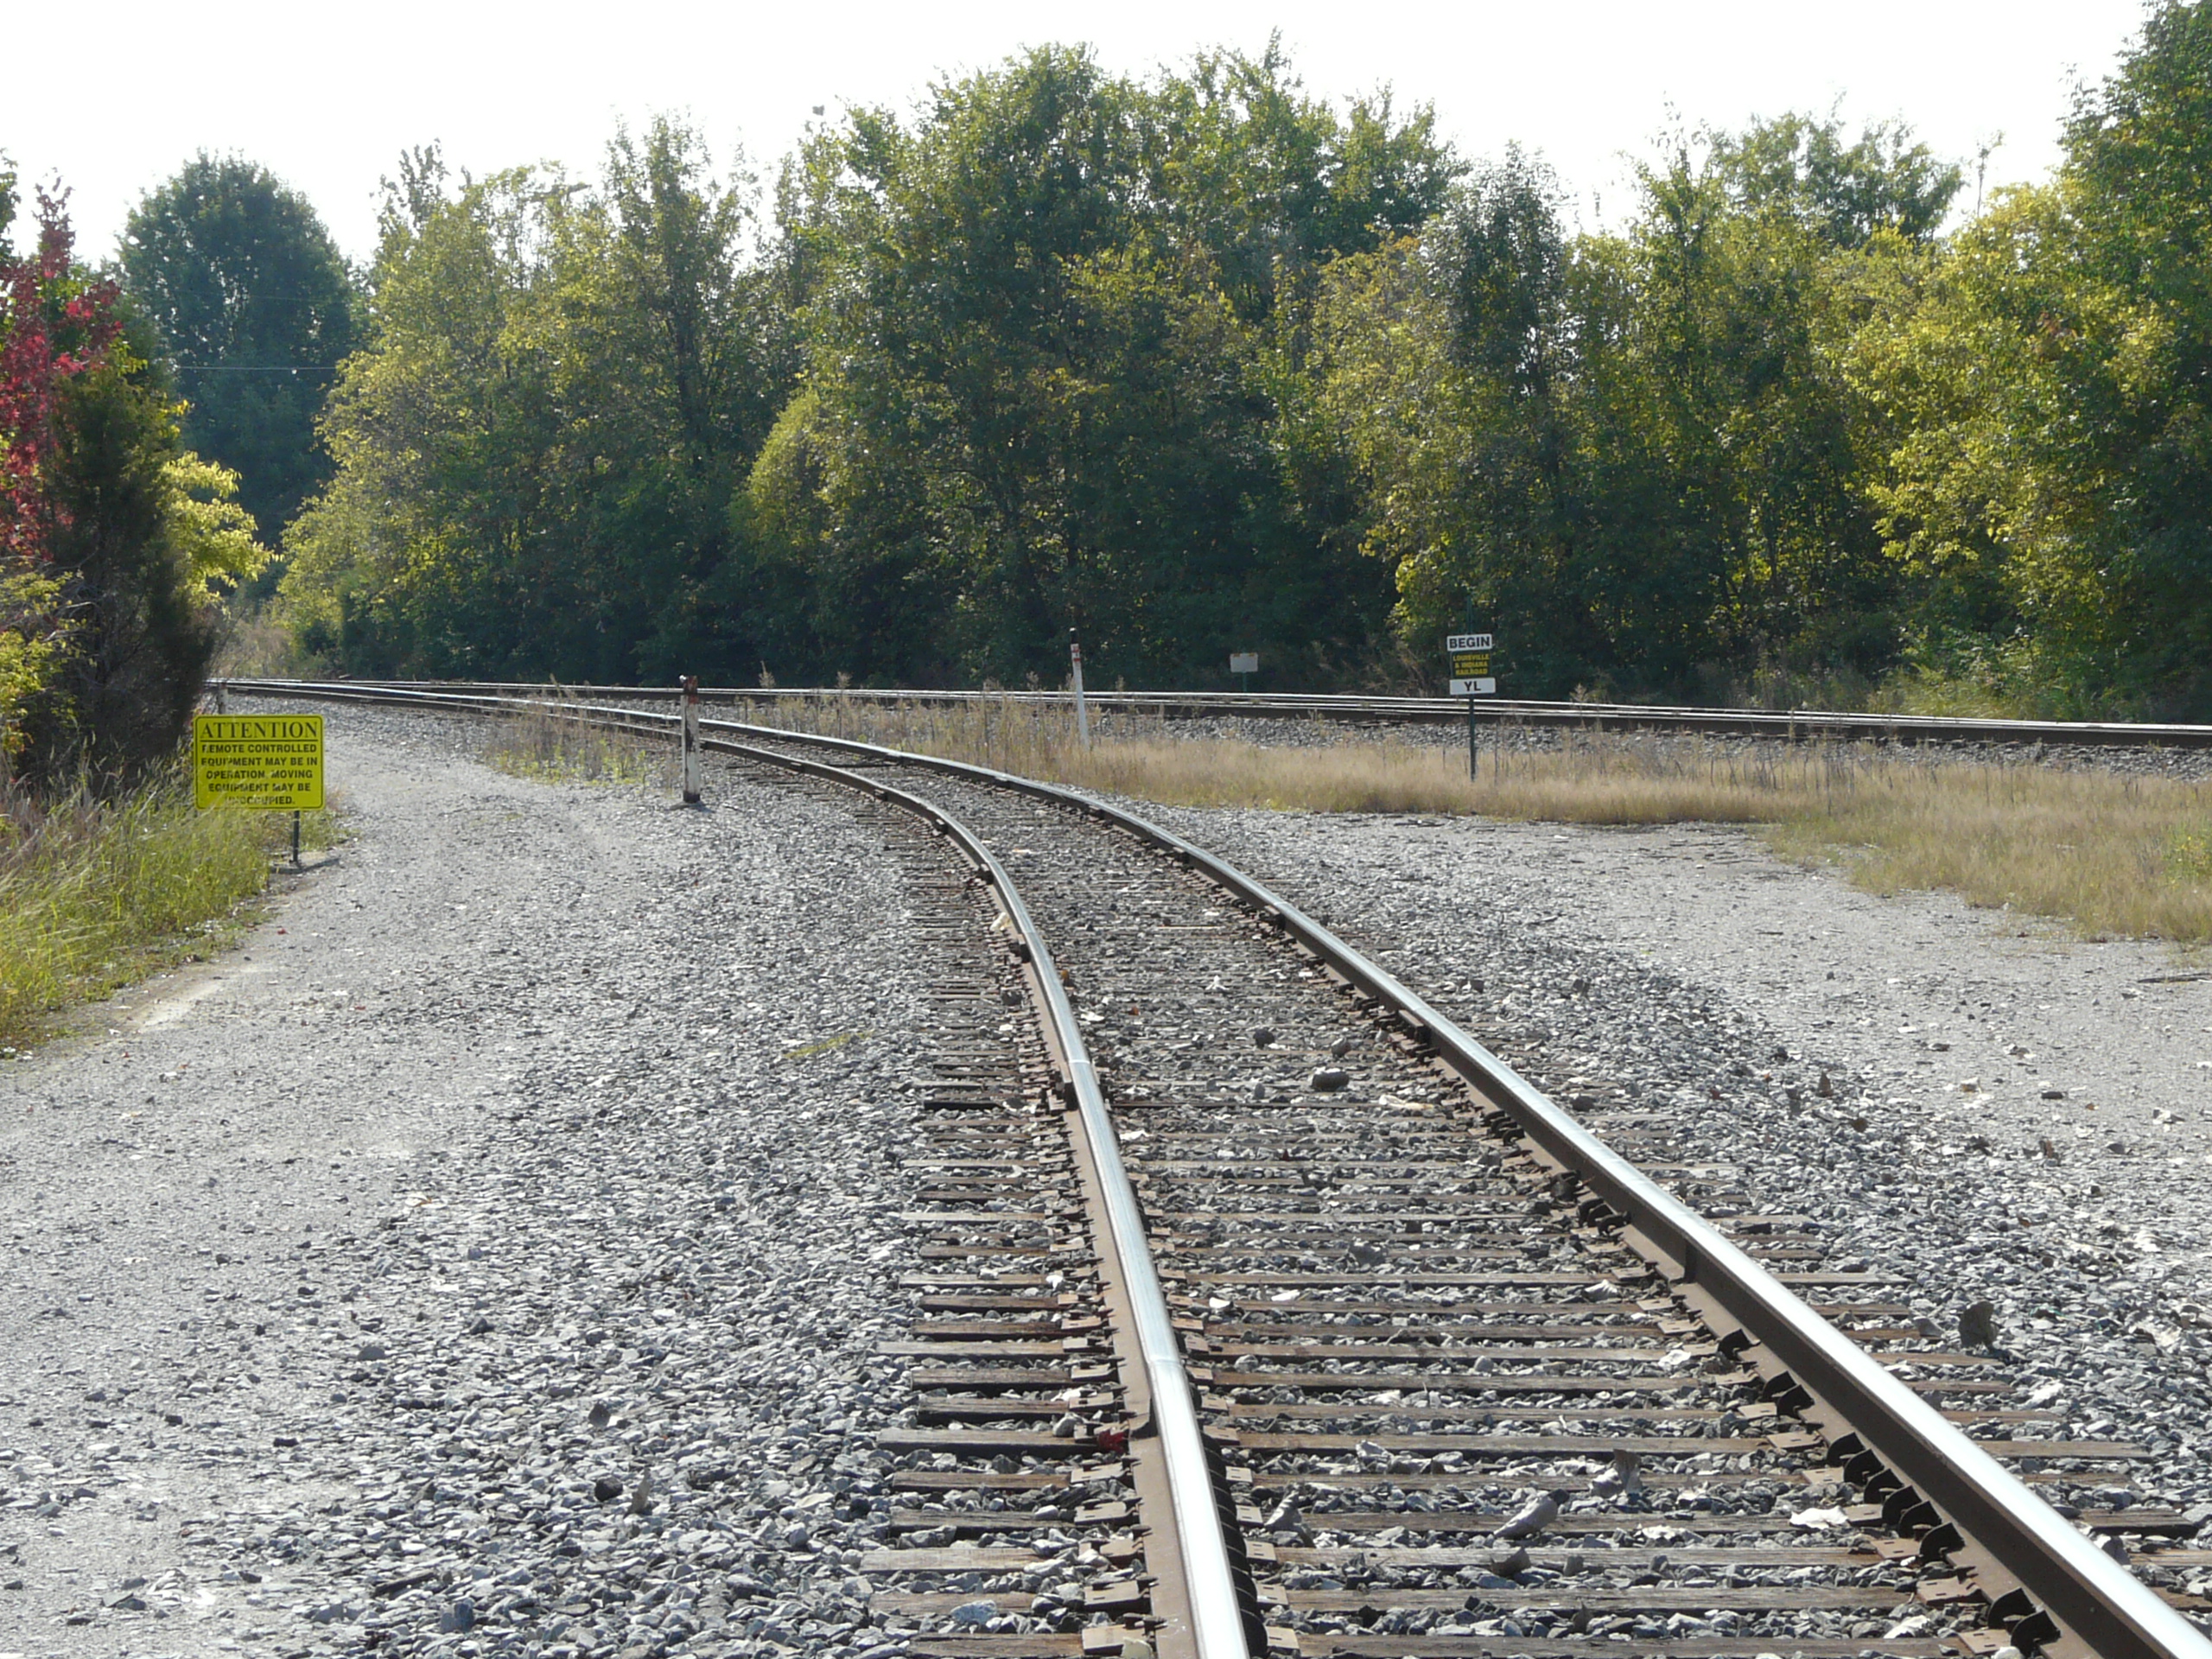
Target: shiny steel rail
[(1216, 1627), (2059, 1589), (1212, 1615), (1796, 725)]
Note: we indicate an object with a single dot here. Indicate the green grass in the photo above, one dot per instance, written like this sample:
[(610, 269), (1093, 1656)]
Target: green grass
[(806, 1051), (97, 894)]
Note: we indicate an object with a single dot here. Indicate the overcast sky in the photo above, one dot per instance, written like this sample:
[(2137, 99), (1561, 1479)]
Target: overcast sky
[(327, 96)]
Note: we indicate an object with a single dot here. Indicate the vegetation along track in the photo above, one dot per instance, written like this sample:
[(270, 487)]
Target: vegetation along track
[(1469, 1379), (1794, 725)]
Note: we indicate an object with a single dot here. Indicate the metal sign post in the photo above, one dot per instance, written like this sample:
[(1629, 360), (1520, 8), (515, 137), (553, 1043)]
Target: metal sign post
[(1468, 654), (1082, 710)]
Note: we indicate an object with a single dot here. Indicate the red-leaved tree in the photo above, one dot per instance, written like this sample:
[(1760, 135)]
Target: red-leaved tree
[(107, 624), (54, 324)]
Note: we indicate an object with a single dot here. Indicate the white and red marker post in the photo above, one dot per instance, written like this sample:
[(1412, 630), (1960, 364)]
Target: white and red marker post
[(690, 739), (1082, 708)]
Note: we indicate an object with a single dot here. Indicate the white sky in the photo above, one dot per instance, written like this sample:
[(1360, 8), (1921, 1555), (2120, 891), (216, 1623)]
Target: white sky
[(327, 96)]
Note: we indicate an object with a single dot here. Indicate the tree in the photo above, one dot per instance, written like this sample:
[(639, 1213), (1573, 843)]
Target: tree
[(1029, 361), (1500, 263), (1735, 443), (31, 629), (113, 538), (1272, 184), (1054, 329), (2132, 356), (1639, 455), (539, 457), (2051, 478), (1800, 167), (1448, 366), (256, 308)]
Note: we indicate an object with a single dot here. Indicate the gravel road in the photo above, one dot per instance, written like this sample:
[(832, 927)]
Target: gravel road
[(2011, 1116), (487, 1257)]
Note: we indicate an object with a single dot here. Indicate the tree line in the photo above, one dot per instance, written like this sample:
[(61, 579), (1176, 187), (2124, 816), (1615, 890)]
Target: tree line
[(1200, 362)]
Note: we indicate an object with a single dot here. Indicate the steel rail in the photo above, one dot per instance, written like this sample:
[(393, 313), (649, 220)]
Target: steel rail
[(2105, 1610), (1796, 725), (1216, 1627), (1216, 1620)]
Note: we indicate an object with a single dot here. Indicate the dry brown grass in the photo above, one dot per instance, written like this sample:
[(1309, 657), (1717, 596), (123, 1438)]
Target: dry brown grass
[(2106, 854), (539, 745), (2109, 854)]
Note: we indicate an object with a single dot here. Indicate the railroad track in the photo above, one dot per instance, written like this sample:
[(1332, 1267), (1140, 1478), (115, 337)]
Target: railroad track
[(1799, 725), (1259, 1309)]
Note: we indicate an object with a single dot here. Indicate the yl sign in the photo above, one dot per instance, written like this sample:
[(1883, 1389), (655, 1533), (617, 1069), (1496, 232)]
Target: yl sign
[(1470, 655)]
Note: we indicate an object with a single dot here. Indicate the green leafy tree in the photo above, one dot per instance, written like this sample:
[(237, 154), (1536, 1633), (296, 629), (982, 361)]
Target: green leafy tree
[(1845, 193), (1640, 456), (2052, 476), (256, 308), (1273, 184), (1030, 361), (1735, 445), (1050, 358), (539, 456)]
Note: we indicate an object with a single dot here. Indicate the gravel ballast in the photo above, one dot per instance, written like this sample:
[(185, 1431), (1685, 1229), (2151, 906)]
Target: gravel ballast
[(487, 1256), (2009, 1116)]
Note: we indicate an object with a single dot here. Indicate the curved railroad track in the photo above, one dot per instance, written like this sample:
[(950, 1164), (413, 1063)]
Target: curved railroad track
[(1261, 1309), (1796, 725)]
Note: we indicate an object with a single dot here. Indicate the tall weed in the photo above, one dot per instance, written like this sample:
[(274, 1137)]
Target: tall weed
[(96, 893), (541, 745)]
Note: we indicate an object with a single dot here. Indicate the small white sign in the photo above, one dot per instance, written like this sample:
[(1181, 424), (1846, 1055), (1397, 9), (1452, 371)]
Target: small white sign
[(1474, 688), (1466, 642), (1243, 662)]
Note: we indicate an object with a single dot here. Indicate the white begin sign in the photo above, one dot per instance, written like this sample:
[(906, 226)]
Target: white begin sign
[(1467, 642)]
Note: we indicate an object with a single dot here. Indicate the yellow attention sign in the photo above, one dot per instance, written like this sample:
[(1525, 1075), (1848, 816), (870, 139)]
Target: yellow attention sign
[(270, 761)]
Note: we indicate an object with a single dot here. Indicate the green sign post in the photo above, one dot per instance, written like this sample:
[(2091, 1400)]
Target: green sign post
[(1469, 655)]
